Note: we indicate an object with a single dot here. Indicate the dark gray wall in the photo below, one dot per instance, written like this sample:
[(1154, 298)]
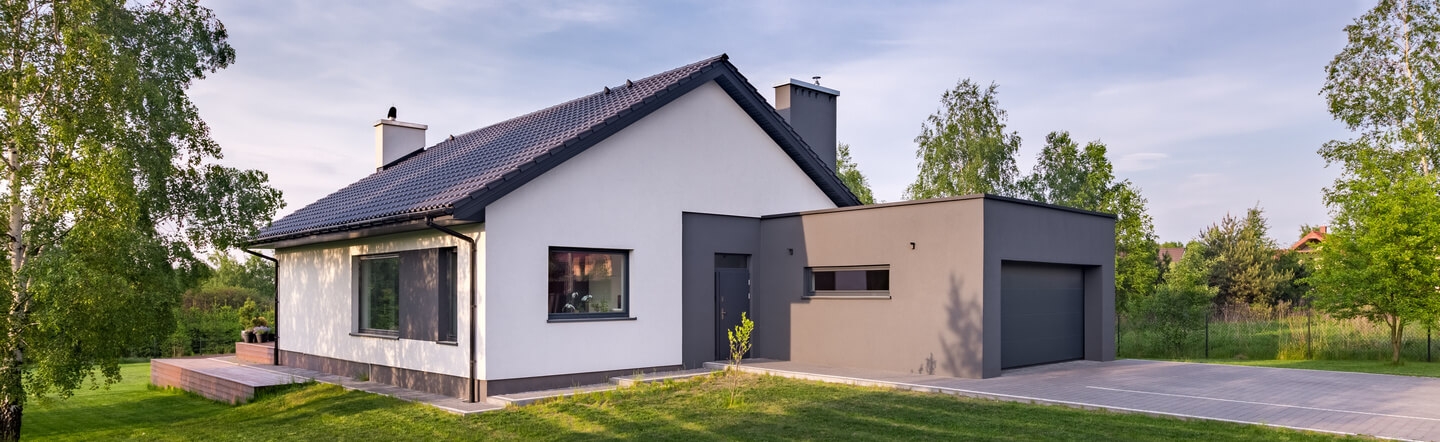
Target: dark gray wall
[(703, 236), (1027, 233), (419, 294), (812, 114), (930, 324)]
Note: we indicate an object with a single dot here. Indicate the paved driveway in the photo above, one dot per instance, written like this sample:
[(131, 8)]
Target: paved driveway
[(1379, 405)]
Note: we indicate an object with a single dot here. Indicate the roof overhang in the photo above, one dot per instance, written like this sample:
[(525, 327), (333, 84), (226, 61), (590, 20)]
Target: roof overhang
[(390, 226)]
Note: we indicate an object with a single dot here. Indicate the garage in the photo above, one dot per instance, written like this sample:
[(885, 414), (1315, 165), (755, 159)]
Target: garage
[(1042, 313)]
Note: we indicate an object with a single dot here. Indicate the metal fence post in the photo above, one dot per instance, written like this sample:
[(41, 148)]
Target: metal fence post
[(1207, 334), (1309, 343), (1427, 342)]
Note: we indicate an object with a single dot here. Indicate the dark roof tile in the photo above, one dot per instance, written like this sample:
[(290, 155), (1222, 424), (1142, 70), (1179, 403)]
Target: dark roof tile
[(470, 164)]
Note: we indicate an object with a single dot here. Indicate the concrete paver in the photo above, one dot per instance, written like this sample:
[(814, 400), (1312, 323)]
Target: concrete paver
[(1388, 406)]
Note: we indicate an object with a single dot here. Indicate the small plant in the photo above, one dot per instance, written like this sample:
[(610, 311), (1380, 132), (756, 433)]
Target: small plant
[(363, 376), (739, 346), (740, 339)]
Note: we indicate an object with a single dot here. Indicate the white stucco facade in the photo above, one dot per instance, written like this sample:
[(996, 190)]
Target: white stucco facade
[(318, 303), (700, 153)]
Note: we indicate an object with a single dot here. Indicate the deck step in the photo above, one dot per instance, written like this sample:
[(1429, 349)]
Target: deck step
[(530, 397), (217, 378), (631, 381)]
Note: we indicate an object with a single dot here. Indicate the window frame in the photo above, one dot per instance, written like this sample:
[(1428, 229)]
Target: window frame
[(623, 314), (448, 260), (811, 293), (360, 307)]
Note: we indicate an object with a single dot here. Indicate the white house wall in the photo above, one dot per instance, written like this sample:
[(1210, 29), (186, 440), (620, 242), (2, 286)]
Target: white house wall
[(700, 153), (318, 296)]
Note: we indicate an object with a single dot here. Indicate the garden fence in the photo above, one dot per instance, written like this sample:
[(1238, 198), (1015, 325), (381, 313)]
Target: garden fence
[(1242, 332)]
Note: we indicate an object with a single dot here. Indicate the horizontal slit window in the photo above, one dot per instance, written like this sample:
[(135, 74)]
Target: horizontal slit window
[(848, 281)]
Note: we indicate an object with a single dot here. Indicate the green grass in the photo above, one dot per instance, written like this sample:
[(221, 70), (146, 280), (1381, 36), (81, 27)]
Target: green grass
[(1409, 368), (769, 408), (1293, 336)]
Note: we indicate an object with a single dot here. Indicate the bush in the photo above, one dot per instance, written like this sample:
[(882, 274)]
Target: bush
[(1177, 309)]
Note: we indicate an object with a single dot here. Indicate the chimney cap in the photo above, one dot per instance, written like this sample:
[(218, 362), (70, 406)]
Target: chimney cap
[(810, 86), (391, 113), (387, 122)]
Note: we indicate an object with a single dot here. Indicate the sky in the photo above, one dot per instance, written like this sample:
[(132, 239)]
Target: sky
[(1209, 107)]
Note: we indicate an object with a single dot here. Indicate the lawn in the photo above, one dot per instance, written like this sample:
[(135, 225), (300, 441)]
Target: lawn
[(769, 408), (1408, 368)]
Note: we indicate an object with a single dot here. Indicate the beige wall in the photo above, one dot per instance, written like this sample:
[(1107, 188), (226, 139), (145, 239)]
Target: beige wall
[(318, 296), (943, 314), (930, 325)]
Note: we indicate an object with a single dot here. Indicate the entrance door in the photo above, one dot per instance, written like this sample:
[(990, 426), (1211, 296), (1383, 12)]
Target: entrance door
[(732, 297)]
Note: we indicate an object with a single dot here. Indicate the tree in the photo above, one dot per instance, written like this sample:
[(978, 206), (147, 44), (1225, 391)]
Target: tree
[(1067, 175), (1385, 83), (1380, 260), (850, 174), (1243, 260), (254, 274), (1179, 305), (110, 186), (963, 147)]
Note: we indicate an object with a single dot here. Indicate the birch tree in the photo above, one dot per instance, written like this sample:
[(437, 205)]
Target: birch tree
[(110, 185)]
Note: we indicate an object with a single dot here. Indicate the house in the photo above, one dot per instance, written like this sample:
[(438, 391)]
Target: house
[(625, 230), (1171, 254), (1313, 238)]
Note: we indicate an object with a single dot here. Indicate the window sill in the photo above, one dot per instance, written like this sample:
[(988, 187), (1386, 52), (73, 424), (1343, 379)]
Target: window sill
[(876, 296), (450, 343), (599, 319), (375, 335)]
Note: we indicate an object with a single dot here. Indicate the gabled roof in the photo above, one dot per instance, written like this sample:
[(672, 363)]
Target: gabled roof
[(462, 175), (1306, 243)]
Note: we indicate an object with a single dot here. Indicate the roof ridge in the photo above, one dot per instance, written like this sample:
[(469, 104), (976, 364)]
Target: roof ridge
[(706, 61)]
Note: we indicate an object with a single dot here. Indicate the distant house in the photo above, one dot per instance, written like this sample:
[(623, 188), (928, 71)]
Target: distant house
[(1171, 254), (1307, 243), (628, 229)]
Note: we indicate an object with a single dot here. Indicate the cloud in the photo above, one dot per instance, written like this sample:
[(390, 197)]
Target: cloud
[(1197, 91)]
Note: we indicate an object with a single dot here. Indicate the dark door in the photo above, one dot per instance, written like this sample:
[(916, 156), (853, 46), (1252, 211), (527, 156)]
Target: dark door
[(732, 297), (1042, 314)]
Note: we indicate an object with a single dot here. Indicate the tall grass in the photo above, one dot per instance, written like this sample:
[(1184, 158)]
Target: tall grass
[(1277, 333)]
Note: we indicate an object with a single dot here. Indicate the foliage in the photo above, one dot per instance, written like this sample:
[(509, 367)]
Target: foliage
[(849, 173), (740, 338), (1178, 307), (963, 147), (1243, 260), (1423, 369), (202, 332), (1292, 268), (1067, 175), (110, 184), (1385, 83), (1380, 259), (684, 410), (254, 274), (208, 297), (1245, 332)]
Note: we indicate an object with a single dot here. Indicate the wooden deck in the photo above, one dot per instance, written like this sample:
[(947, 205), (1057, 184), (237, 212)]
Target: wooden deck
[(222, 378), (263, 353)]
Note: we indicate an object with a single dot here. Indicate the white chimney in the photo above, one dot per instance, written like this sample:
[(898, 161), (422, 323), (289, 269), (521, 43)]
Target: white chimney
[(395, 139)]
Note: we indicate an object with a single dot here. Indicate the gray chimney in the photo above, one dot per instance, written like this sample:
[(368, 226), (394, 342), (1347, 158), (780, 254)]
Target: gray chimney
[(395, 139), (810, 109)]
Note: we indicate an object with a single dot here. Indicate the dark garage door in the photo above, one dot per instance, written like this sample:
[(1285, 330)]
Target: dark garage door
[(1042, 314)]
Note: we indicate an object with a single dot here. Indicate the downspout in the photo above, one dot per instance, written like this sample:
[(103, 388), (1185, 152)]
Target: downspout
[(275, 263), (429, 222)]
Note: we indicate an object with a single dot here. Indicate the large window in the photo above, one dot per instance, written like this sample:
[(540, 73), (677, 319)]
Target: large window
[(848, 281), (588, 283), (380, 294), (448, 295)]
